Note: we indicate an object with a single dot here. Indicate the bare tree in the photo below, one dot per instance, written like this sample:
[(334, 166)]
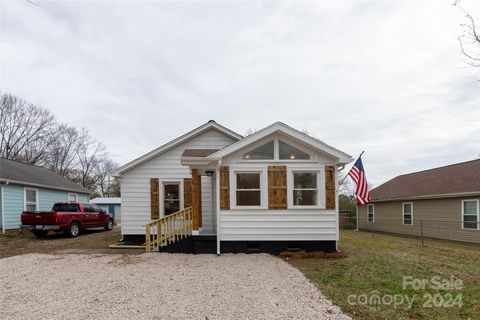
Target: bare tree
[(25, 129), (62, 154), (470, 38), (103, 171)]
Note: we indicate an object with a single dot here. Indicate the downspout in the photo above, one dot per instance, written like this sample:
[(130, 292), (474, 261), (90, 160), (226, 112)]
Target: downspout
[(217, 202), (336, 206), (3, 210)]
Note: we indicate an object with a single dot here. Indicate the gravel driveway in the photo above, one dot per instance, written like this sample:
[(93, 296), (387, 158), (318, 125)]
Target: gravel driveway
[(157, 286)]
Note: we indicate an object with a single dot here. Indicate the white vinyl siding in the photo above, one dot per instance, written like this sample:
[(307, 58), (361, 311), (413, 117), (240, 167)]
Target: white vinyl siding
[(135, 183), (278, 225)]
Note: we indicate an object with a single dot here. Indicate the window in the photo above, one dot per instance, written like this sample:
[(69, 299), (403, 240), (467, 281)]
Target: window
[(305, 189), (470, 214), (264, 152), (287, 152), (63, 207), (407, 213), (171, 198), (72, 197), (370, 213), (248, 189), (31, 199)]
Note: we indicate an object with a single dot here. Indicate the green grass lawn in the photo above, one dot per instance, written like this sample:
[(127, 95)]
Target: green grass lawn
[(380, 263)]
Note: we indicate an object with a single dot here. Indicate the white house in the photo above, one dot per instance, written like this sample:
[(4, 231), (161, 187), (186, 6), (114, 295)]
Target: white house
[(212, 190)]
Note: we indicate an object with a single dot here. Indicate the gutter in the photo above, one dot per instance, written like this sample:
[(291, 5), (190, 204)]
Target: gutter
[(432, 196), (7, 181)]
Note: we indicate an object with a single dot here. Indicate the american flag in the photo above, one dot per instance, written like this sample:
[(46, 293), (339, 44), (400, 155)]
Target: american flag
[(357, 173)]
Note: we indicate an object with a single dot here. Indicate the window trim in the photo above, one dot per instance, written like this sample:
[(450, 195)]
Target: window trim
[(403, 214), (25, 202), (162, 183), (373, 213), (73, 194), (478, 214), (263, 187), (320, 186), (276, 151)]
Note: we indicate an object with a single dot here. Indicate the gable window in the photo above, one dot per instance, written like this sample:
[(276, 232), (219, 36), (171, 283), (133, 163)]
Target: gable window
[(248, 189), (72, 197), (264, 152), (305, 189), (171, 197), (470, 214), (370, 213), (407, 213), (31, 199), (287, 152)]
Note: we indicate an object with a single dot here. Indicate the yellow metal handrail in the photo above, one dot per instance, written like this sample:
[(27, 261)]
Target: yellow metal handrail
[(169, 229)]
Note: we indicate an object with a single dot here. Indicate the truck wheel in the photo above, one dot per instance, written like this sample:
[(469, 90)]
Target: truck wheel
[(74, 229), (40, 233), (109, 225)]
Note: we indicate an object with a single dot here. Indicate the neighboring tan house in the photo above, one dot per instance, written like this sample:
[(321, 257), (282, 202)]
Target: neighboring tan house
[(444, 202), (27, 187), (212, 190), (112, 205)]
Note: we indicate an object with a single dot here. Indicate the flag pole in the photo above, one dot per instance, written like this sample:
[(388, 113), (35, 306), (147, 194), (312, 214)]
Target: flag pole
[(343, 180)]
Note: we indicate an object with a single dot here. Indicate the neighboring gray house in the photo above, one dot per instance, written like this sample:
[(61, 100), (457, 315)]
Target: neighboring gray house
[(112, 205), (27, 187)]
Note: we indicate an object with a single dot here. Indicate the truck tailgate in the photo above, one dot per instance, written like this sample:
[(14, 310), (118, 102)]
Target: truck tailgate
[(38, 218)]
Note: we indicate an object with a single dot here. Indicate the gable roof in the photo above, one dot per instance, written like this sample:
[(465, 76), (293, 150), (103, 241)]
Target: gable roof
[(456, 179), (282, 127), (175, 142), (17, 172)]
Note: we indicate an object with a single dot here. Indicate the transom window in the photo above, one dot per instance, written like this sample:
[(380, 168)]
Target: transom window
[(287, 152), (72, 197), (370, 213), (407, 213), (305, 189), (470, 214), (171, 197), (264, 152), (31, 200), (248, 189)]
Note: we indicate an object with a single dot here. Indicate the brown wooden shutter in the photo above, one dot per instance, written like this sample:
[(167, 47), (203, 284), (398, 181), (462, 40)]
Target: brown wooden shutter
[(224, 188), (330, 187), (277, 187), (187, 192), (154, 198)]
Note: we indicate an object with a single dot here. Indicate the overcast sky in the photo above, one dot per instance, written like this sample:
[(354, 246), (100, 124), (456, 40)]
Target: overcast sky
[(386, 77)]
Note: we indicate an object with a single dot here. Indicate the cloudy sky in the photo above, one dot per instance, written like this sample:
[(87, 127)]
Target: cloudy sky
[(386, 77)]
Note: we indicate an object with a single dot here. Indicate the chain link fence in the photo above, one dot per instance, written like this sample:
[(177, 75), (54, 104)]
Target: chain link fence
[(423, 229)]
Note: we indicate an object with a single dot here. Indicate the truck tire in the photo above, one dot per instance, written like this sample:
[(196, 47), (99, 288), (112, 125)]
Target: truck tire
[(74, 229), (40, 233), (109, 225)]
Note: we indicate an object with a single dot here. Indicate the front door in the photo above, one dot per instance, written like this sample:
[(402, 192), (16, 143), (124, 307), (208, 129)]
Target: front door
[(171, 197)]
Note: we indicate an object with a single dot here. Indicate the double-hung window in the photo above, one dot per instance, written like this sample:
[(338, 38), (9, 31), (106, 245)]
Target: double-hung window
[(171, 197), (248, 192), (72, 197), (370, 213), (407, 213), (470, 214), (305, 189), (31, 199)]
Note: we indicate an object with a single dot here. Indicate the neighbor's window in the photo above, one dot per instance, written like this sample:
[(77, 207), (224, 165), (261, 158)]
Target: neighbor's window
[(72, 197), (370, 213), (407, 213), (171, 198), (31, 197), (470, 213), (287, 152), (248, 189), (305, 189), (264, 152)]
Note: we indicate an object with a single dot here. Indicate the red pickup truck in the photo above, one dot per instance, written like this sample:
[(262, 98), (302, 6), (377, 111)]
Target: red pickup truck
[(66, 217)]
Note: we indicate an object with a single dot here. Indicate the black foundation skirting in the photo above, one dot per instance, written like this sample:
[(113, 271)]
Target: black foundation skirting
[(208, 244)]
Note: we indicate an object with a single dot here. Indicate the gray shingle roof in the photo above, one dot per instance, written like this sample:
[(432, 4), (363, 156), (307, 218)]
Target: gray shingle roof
[(15, 171)]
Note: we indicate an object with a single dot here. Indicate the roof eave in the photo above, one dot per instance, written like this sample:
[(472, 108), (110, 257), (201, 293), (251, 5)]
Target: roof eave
[(431, 196), (86, 191)]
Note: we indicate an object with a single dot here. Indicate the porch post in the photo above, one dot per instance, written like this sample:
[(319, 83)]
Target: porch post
[(196, 200)]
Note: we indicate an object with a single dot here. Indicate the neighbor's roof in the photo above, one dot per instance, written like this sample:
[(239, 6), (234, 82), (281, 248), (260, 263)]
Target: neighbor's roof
[(175, 142), (452, 180), (26, 174), (107, 200)]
